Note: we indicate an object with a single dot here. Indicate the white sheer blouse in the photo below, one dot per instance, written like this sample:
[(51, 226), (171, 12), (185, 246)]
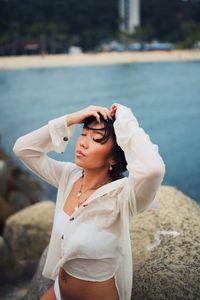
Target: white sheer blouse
[(87, 269), (96, 238)]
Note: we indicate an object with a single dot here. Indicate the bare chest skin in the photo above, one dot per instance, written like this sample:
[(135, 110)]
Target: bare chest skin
[(73, 288), (72, 200)]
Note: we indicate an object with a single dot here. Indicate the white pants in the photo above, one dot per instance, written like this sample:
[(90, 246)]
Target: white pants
[(57, 289)]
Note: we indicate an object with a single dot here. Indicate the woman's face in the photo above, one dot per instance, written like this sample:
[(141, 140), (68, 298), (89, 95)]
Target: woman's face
[(91, 154)]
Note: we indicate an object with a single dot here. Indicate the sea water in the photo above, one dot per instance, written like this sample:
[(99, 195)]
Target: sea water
[(164, 96)]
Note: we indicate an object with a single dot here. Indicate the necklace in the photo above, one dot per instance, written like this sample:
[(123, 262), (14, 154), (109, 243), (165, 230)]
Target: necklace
[(80, 192)]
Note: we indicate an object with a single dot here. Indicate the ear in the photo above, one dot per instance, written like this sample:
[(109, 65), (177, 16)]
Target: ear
[(111, 161)]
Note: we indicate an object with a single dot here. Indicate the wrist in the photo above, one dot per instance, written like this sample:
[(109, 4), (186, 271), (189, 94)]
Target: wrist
[(69, 120)]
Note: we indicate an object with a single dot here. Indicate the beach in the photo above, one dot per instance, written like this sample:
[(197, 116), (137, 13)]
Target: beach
[(64, 60)]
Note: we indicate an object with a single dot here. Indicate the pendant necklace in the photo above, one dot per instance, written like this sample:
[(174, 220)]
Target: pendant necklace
[(80, 192)]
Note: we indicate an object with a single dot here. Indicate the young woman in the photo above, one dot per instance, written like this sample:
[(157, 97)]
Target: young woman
[(89, 254)]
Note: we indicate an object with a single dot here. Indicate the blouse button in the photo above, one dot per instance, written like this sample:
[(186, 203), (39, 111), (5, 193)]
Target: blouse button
[(84, 205), (65, 138), (71, 219), (62, 236)]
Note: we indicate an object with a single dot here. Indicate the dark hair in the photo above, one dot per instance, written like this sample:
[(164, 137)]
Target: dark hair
[(116, 153)]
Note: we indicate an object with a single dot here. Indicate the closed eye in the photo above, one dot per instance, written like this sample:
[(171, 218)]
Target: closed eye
[(98, 140)]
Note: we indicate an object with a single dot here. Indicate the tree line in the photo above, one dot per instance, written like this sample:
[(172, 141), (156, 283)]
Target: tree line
[(42, 26)]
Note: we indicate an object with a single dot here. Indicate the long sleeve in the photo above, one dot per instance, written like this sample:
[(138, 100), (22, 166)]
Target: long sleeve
[(144, 163), (33, 147)]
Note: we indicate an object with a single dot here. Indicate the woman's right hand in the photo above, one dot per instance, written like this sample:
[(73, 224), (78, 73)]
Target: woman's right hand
[(92, 110)]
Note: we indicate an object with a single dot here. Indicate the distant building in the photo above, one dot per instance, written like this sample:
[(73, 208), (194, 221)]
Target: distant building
[(74, 50), (129, 13)]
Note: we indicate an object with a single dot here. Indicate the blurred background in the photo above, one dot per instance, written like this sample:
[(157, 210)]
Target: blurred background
[(164, 96), (34, 26)]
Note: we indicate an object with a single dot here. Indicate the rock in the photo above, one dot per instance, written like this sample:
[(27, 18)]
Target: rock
[(6, 262), (18, 200), (3, 177), (15, 291), (27, 233), (166, 249), (25, 184), (5, 211), (39, 284)]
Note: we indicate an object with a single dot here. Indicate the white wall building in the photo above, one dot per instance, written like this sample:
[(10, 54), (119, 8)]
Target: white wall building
[(129, 13)]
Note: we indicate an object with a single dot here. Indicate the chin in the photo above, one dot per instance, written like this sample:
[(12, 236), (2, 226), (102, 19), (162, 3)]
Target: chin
[(79, 163)]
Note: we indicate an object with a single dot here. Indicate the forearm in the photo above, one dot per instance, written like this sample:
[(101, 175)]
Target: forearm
[(70, 119), (32, 147), (51, 137), (144, 163), (141, 153)]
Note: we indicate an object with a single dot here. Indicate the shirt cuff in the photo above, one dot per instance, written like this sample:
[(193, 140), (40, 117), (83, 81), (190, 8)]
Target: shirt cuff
[(60, 133)]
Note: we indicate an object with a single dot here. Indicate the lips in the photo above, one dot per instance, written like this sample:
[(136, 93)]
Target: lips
[(80, 153)]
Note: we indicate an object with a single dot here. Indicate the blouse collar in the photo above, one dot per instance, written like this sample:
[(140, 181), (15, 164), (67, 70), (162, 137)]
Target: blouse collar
[(103, 190)]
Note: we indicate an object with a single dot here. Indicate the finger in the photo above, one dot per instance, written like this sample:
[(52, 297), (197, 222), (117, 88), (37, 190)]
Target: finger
[(97, 116), (113, 107), (113, 112), (105, 112), (108, 112)]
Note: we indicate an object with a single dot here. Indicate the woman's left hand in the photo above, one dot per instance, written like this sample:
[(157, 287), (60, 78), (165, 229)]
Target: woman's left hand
[(114, 108)]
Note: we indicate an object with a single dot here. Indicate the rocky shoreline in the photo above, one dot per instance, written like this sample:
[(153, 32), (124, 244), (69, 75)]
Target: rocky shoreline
[(17, 189), (165, 242), (17, 192)]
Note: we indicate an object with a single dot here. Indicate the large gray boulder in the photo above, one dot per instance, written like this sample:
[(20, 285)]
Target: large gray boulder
[(27, 233), (166, 249)]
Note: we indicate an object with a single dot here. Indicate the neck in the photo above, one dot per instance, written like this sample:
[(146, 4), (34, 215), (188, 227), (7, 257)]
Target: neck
[(95, 177)]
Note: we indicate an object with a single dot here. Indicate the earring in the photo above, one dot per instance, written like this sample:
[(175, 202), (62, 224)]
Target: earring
[(110, 168)]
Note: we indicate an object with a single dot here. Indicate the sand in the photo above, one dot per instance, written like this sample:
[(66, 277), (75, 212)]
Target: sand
[(70, 60)]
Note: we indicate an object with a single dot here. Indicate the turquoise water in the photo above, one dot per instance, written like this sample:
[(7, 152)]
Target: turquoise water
[(165, 98)]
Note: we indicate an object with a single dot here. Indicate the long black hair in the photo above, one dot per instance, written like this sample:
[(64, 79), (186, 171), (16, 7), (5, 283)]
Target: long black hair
[(116, 153)]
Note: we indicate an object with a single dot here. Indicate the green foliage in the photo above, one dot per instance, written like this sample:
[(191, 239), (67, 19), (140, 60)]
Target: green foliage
[(58, 24), (70, 22), (175, 21), (191, 34), (144, 33)]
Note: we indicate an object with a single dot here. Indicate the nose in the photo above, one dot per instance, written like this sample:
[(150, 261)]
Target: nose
[(83, 142)]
